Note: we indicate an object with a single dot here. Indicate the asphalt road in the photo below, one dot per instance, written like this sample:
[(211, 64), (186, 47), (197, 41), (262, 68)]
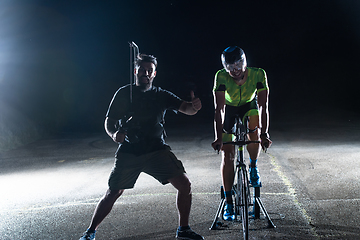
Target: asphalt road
[(310, 177)]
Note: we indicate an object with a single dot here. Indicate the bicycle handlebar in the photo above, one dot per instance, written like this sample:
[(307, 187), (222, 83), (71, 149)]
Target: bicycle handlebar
[(240, 143)]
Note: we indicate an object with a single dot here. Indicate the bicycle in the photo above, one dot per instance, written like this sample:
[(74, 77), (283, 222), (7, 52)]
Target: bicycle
[(241, 188)]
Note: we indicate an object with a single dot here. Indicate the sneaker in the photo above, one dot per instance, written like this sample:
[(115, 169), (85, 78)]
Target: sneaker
[(255, 177), (188, 234), (229, 214), (88, 236)]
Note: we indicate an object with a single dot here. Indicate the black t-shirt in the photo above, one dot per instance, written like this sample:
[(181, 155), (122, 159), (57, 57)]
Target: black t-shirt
[(143, 119)]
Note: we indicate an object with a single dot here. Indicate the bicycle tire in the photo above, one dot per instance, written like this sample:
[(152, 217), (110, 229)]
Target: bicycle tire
[(244, 200), (241, 188)]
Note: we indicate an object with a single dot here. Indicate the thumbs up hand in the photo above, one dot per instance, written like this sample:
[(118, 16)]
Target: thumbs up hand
[(192, 95), (196, 103)]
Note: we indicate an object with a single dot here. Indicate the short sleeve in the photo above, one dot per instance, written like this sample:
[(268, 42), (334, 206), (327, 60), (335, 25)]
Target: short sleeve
[(219, 84), (170, 100), (119, 104), (262, 83)]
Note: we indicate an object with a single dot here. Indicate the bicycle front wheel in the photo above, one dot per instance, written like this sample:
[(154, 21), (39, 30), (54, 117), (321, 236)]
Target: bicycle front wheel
[(244, 202)]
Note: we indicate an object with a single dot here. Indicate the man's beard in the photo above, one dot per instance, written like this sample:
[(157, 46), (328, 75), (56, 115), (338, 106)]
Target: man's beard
[(144, 85)]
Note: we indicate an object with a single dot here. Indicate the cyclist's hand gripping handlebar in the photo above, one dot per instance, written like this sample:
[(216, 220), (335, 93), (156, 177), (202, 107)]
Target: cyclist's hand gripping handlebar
[(265, 141), (217, 144)]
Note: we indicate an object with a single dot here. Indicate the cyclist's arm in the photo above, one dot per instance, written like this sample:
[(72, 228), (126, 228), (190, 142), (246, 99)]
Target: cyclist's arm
[(219, 102), (263, 98)]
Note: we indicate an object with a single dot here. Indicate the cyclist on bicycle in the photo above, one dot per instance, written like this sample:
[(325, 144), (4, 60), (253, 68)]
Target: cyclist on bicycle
[(239, 91)]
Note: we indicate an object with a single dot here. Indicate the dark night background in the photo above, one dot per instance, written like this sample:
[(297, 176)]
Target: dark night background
[(62, 61)]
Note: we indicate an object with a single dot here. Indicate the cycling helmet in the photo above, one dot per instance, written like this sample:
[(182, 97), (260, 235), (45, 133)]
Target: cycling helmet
[(232, 57)]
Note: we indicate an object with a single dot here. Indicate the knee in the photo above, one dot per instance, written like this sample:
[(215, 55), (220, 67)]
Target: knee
[(113, 194), (182, 184), (254, 135), (186, 188)]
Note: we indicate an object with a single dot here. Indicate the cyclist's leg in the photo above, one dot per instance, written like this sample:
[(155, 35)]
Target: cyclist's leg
[(252, 112), (227, 164), (228, 151), (227, 174), (227, 167), (254, 148)]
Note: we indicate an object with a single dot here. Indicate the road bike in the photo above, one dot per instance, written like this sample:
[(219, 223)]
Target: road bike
[(241, 189)]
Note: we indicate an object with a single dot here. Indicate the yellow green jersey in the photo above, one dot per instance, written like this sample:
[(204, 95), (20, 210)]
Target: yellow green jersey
[(236, 95)]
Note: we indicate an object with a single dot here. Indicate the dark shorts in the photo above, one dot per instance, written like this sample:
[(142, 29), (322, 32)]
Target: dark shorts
[(248, 109), (162, 165)]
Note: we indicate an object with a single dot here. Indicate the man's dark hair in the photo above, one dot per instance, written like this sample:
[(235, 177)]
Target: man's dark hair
[(145, 58)]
